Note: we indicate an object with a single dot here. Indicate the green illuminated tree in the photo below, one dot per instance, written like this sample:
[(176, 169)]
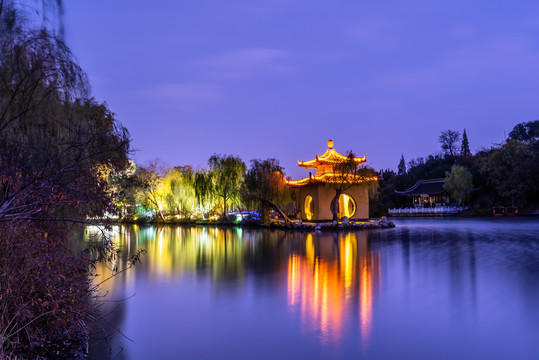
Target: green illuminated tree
[(459, 184), (152, 193), (179, 188), (227, 174)]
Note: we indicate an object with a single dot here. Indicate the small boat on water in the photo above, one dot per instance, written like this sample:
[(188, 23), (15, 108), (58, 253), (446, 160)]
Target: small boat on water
[(505, 211), (511, 211), (498, 211)]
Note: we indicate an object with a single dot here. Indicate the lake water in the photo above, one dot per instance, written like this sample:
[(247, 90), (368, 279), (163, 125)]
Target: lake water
[(427, 289)]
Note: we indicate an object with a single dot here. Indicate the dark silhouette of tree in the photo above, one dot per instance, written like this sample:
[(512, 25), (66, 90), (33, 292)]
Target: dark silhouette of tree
[(57, 150), (55, 142), (38, 15), (511, 172), (528, 131), (465, 145), (449, 140), (402, 166), (265, 187)]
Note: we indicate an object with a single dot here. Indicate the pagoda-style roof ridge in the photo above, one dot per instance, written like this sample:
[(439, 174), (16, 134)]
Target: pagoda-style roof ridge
[(330, 157), (430, 186), (330, 178)]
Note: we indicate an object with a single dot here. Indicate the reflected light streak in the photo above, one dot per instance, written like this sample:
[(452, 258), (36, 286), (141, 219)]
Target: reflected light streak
[(327, 286), (293, 278), (365, 304)]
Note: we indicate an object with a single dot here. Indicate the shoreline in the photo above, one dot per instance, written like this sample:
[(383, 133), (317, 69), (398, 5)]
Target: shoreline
[(297, 225)]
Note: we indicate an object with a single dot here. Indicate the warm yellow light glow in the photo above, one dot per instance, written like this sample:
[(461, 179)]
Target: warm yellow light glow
[(331, 178), (330, 157), (293, 279), (365, 305), (325, 165), (308, 207), (347, 206), (324, 287)]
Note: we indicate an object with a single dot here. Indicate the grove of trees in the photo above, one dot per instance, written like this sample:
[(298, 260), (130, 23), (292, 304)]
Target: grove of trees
[(180, 192), (504, 174)]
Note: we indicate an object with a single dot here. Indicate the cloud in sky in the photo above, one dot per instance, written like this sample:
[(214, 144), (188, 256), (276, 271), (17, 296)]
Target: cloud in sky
[(288, 68), (247, 62), (188, 97)]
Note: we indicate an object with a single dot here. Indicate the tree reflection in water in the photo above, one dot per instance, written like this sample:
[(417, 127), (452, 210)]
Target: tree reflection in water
[(330, 276), (449, 288)]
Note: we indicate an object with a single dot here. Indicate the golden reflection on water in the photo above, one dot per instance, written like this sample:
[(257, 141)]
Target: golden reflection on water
[(334, 279), (170, 251), (330, 278)]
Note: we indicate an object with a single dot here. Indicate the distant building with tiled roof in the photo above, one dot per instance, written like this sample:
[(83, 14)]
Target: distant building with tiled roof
[(427, 192)]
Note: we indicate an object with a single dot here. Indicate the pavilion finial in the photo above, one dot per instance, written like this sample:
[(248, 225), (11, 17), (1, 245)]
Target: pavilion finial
[(330, 144)]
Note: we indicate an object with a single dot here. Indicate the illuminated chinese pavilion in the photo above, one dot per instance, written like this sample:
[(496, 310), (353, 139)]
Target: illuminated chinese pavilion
[(316, 196)]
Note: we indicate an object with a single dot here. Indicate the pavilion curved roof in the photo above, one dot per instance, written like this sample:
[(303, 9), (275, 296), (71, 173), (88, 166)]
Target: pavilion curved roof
[(330, 178), (330, 157), (425, 187)]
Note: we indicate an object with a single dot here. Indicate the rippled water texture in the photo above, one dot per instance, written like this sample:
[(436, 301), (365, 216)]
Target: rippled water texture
[(428, 289)]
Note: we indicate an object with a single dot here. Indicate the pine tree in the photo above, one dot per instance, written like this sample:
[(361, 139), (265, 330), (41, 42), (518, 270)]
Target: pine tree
[(402, 166), (465, 145)]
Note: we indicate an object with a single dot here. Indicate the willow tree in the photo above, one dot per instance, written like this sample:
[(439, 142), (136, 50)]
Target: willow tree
[(265, 187), (179, 187), (54, 138), (227, 173), (152, 193), (55, 144), (204, 192), (459, 184), (347, 174)]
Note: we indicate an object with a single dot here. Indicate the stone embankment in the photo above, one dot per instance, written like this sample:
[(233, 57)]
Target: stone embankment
[(344, 224)]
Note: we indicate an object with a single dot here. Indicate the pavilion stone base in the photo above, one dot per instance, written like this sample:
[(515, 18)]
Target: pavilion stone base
[(322, 195)]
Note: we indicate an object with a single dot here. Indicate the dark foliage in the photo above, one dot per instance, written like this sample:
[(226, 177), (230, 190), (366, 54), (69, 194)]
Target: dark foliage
[(528, 131), (56, 144), (506, 174), (448, 140), (264, 187), (465, 145), (54, 141), (44, 290)]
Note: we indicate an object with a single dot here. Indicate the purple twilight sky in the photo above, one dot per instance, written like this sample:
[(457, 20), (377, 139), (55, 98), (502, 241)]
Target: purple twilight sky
[(279, 78)]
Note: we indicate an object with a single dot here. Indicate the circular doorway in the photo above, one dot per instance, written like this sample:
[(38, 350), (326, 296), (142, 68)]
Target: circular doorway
[(308, 207), (347, 206)]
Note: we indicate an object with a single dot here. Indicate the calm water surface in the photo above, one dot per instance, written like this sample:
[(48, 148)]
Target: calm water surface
[(427, 289)]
